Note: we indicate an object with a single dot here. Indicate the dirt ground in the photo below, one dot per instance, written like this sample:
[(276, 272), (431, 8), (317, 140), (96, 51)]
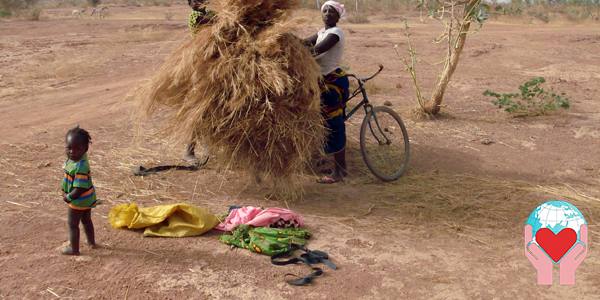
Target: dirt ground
[(451, 228)]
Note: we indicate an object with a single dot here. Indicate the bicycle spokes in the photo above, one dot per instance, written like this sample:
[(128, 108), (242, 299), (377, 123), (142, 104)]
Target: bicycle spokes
[(382, 141)]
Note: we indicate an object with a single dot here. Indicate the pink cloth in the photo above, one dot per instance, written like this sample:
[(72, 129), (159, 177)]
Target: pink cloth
[(257, 217)]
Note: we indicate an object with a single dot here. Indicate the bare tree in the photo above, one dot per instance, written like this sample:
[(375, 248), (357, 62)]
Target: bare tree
[(457, 17)]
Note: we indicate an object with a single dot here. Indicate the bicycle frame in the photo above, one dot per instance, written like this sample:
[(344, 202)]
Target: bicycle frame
[(367, 106), (363, 103), (361, 90)]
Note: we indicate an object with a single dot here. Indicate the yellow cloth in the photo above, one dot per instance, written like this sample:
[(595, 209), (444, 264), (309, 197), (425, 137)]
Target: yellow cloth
[(174, 220)]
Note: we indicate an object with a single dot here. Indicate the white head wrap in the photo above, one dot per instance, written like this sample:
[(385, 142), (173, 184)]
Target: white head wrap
[(338, 7)]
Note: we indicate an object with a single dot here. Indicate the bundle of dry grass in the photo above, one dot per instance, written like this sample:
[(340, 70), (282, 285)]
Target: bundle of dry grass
[(244, 86)]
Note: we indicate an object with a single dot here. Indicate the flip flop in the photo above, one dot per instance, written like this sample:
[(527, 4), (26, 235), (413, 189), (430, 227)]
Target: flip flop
[(328, 180)]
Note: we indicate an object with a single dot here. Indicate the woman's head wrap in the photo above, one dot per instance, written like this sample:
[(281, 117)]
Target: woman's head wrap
[(336, 5)]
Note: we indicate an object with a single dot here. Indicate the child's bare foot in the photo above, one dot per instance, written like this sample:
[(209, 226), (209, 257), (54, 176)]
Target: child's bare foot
[(69, 251), (191, 159)]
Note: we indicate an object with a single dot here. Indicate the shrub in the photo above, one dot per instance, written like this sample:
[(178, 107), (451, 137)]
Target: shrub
[(32, 14), (540, 15), (20, 7), (532, 99), (94, 3), (578, 13)]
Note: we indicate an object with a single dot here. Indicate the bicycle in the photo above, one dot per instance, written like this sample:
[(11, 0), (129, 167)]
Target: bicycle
[(377, 136)]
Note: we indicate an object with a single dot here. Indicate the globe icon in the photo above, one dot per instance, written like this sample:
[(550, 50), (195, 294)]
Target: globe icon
[(555, 215)]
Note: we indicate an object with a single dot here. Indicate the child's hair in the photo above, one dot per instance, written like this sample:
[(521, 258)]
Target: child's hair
[(80, 134)]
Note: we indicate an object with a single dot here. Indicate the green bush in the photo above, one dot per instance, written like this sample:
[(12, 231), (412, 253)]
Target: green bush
[(532, 99)]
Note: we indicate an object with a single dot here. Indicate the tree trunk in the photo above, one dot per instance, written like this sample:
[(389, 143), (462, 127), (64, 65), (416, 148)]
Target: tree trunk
[(434, 105)]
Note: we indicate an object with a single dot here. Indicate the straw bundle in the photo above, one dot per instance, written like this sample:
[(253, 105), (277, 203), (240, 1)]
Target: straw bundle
[(244, 86)]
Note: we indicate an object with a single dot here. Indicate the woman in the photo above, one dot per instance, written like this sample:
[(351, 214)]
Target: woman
[(328, 48)]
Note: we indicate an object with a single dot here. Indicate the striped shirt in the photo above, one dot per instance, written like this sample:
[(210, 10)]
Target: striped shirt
[(77, 175)]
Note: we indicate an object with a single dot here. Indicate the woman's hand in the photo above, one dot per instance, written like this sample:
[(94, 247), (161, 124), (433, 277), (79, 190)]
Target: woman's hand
[(310, 41)]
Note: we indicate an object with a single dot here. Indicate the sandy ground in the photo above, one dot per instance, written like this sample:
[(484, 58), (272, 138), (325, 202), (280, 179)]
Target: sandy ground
[(451, 228)]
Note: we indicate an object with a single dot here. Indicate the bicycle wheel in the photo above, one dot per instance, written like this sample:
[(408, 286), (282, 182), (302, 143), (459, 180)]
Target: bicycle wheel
[(384, 143)]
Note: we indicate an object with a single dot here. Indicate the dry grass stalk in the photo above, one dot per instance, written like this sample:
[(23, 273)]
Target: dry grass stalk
[(567, 192), (244, 86), (411, 67)]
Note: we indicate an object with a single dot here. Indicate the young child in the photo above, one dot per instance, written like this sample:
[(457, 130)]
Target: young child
[(78, 190), (198, 17)]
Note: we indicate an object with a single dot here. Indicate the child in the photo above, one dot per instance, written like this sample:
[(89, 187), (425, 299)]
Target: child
[(198, 17), (78, 190)]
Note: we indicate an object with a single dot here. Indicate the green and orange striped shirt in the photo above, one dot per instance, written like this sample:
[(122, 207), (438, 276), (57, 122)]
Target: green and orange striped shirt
[(77, 175)]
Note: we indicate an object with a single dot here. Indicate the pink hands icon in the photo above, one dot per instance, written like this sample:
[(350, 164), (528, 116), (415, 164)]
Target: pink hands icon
[(540, 261), (573, 258), (543, 263)]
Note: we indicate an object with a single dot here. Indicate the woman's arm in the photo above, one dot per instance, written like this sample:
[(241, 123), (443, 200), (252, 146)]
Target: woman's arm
[(311, 40), (326, 44)]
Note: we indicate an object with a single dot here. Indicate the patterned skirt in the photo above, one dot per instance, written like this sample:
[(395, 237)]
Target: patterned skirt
[(334, 94)]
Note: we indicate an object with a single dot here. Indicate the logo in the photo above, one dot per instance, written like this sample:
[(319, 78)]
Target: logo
[(556, 234)]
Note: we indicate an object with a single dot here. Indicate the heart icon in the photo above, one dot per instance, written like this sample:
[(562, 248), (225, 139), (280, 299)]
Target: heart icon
[(556, 245)]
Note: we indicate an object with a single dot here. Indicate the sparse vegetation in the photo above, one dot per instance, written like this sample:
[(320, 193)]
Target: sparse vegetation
[(358, 19), (27, 9), (10, 7), (94, 3), (169, 16), (540, 15), (544, 11), (531, 100), (32, 14), (574, 11)]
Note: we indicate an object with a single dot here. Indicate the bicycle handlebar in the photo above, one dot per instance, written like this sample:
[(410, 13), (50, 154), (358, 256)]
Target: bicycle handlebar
[(368, 78)]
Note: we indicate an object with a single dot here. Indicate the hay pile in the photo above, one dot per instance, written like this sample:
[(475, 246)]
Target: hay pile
[(246, 88)]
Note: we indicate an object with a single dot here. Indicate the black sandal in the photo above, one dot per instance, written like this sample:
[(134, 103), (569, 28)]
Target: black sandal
[(309, 257)]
